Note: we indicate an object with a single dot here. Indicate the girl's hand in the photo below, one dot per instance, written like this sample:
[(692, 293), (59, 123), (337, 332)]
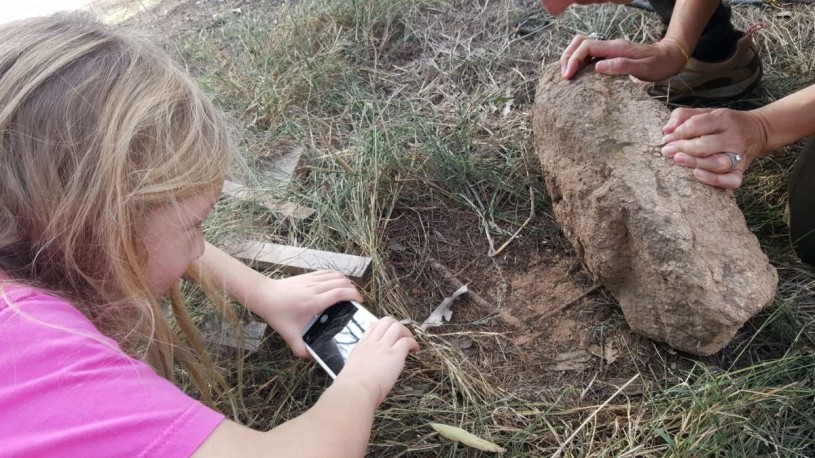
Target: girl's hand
[(288, 304), (698, 138), (620, 57), (379, 358)]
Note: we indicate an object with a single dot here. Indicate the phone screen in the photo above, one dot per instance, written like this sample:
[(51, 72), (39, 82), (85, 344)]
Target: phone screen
[(336, 332)]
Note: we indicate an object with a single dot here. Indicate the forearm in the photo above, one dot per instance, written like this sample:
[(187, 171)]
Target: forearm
[(338, 425), (688, 20), (342, 419), (789, 119), (240, 282)]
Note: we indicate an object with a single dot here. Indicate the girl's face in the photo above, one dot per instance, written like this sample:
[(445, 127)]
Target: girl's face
[(173, 239)]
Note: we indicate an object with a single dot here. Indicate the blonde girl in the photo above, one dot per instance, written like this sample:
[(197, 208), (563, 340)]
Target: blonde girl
[(110, 159)]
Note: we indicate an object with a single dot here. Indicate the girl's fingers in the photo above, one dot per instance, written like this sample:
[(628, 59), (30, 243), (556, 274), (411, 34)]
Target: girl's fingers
[(323, 273), (339, 294), (407, 344), (378, 330), (730, 180), (395, 332), (332, 283)]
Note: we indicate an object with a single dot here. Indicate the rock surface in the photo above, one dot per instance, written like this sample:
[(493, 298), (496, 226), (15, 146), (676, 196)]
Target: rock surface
[(675, 253)]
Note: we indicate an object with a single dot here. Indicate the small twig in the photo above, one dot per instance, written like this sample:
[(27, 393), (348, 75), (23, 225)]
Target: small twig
[(531, 215), (560, 308), (451, 278)]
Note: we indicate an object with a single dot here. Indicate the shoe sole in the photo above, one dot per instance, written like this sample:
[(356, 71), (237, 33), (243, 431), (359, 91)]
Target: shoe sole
[(723, 93)]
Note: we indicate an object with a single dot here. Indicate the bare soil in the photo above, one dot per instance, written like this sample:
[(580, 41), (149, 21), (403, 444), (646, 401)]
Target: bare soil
[(549, 327)]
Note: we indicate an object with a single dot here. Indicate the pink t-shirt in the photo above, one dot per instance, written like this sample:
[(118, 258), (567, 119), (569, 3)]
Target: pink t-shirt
[(67, 390)]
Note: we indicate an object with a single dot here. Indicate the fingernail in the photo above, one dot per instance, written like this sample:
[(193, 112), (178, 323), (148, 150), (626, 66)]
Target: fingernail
[(681, 159), (669, 150), (668, 139)]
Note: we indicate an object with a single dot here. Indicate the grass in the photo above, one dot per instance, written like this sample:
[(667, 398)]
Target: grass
[(421, 109)]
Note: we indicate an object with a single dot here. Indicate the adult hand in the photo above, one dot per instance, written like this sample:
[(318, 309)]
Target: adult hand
[(379, 358), (653, 62), (698, 138), (288, 304)]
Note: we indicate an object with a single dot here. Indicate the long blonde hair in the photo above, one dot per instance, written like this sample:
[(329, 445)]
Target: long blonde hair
[(97, 129)]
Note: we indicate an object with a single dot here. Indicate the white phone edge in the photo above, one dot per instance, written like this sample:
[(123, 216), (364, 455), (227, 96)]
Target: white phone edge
[(313, 354)]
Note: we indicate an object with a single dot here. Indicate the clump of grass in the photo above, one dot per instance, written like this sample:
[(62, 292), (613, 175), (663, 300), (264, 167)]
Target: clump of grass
[(405, 106)]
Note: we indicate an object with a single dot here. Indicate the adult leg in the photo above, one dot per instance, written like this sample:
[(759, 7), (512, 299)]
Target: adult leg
[(724, 64), (802, 203), (719, 38)]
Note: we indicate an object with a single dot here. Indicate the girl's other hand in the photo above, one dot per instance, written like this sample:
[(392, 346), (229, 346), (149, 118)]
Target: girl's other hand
[(379, 358), (699, 138), (289, 303)]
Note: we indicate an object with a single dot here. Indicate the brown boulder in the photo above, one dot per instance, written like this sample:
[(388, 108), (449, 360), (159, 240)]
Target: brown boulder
[(675, 253)]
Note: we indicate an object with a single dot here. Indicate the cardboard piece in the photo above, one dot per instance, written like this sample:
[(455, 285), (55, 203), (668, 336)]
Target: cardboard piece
[(294, 260)]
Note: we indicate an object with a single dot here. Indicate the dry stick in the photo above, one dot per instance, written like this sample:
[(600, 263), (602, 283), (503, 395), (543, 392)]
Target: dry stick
[(531, 215), (456, 283), (586, 421), (560, 308)]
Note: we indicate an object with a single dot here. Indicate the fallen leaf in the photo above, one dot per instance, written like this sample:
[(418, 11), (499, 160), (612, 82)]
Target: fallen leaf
[(443, 312), (606, 353), (578, 355), (571, 361), (470, 440), (568, 366)]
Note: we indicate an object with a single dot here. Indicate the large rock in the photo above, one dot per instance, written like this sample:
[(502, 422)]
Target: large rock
[(675, 253)]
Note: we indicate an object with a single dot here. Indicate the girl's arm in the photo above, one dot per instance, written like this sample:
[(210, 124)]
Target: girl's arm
[(339, 424), (286, 304)]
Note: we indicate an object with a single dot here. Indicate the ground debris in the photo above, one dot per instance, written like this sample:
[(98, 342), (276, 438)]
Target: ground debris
[(571, 361), (443, 312), (606, 352)]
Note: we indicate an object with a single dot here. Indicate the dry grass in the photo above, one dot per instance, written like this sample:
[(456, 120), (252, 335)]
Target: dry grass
[(406, 105)]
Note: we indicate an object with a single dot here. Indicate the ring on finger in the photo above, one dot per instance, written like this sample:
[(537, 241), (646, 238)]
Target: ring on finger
[(735, 158), (597, 36)]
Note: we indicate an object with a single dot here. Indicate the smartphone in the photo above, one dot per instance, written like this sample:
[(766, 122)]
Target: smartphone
[(332, 335)]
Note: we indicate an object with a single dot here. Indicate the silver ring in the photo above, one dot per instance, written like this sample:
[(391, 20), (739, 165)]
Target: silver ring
[(597, 36), (735, 158)]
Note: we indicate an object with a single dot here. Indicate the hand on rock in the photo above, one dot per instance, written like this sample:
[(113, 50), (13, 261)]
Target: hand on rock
[(699, 138), (653, 62)]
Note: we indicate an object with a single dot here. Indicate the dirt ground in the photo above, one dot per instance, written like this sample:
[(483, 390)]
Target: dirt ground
[(543, 324), (547, 326)]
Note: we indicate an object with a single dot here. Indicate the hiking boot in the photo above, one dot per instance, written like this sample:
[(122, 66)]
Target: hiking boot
[(729, 78)]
